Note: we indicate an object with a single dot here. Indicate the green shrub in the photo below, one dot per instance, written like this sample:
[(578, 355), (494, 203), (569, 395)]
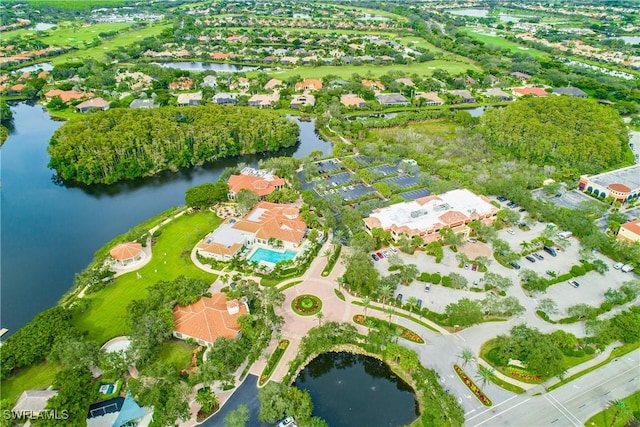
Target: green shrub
[(424, 277), (567, 320), (573, 353), (606, 306), (446, 281), (435, 278), (589, 350), (543, 315), (394, 268)]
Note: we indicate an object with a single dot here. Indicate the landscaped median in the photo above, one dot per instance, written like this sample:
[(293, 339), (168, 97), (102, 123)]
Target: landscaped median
[(273, 361), (306, 305), (405, 333), (472, 386)]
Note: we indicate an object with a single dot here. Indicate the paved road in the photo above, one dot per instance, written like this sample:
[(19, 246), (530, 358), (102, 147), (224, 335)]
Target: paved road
[(570, 405), (246, 394)]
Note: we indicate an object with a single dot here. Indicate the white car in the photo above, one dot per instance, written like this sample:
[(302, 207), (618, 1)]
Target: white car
[(510, 231), (618, 265), (386, 254), (394, 250)]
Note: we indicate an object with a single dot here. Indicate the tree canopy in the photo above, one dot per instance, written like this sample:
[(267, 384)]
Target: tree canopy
[(558, 130), (129, 143)]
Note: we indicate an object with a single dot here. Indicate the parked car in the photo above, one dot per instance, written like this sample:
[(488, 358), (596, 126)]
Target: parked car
[(510, 231), (287, 422), (419, 303), (385, 253), (472, 240), (618, 265), (380, 255), (501, 199), (474, 267), (399, 297), (574, 283), (551, 251), (530, 258), (394, 250), (375, 257), (538, 256), (521, 210), (427, 287), (515, 265), (466, 266), (627, 268)]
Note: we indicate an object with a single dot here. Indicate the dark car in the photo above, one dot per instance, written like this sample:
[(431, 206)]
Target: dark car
[(530, 258), (399, 297), (427, 288), (502, 199), (379, 255), (419, 303), (375, 257), (537, 255), (551, 251), (515, 265)]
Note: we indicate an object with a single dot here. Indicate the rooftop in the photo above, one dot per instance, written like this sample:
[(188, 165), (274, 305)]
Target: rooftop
[(629, 177), (632, 226)]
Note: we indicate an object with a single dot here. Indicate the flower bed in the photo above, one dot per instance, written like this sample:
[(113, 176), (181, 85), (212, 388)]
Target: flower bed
[(472, 386), (405, 333), (273, 361), (519, 374), (306, 305)]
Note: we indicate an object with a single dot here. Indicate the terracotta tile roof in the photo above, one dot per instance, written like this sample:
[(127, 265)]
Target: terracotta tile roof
[(529, 90), (351, 100), (373, 84), (273, 83), (67, 95), (125, 251), (311, 84), (209, 318), (93, 103), (632, 226), (256, 184)]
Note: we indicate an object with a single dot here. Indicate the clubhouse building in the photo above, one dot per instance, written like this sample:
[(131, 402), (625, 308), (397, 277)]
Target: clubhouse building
[(260, 182), (426, 216), (623, 185)]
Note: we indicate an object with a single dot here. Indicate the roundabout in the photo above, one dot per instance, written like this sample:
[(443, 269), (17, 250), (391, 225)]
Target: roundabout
[(306, 305)]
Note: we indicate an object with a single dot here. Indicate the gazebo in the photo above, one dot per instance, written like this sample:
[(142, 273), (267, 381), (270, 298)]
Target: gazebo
[(126, 254)]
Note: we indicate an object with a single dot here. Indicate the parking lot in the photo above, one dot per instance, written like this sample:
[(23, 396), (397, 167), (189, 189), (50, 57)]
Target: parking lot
[(631, 214), (415, 194), (402, 181), (383, 170), (327, 166), (354, 192), (363, 160), (567, 199)]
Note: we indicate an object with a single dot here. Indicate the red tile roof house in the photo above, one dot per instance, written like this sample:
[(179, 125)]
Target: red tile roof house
[(377, 85), (182, 83), (67, 95), (309, 84), (260, 182), (264, 224), (208, 319), (529, 90)]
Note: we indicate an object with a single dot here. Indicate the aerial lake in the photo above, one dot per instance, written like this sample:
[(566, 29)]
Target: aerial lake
[(207, 66), (354, 390), (50, 231)]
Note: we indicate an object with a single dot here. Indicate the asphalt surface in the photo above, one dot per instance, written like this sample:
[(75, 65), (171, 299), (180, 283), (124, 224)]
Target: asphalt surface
[(246, 394), (570, 405)]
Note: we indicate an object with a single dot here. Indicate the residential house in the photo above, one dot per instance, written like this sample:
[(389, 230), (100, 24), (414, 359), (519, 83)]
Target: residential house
[(529, 90), (373, 85), (352, 101), (208, 319), (426, 216), (224, 98), (272, 84), (431, 98), (210, 81), (220, 56), (266, 223), (493, 80), (389, 99), (194, 98), (521, 76), (309, 84), (498, 94), (260, 182), (135, 80), (241, 83), (302, 101), (143, 103), (16, 89), (93, 104), (67, 95), (466, 96), (183, 83), (263, 100), (289, 60), (630, 232), (406, 82), (32, 402), (570, 91), (622, 184), (269, 59)]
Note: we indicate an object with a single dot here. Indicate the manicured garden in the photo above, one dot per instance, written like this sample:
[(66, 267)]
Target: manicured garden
[(618, 414), (306, 305), (273, 361), (472, 386), (374, 322), (106, 314)]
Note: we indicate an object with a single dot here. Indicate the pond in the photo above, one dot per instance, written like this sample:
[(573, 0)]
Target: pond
[(354, 390), (50, 230), (476, 13), (43, 26), (45, 66), (629, 39), (207, 66)]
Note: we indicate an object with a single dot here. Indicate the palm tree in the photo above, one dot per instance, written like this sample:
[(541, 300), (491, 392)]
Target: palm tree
[(390, 311), (366, 302), (207, 400), (467, 356), (484, 375), (386, 291), (327, 253), (319, 316), (413, 303), (621, 410)]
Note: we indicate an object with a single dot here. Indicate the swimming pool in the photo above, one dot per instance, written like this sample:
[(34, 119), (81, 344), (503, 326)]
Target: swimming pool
[(262, 254)]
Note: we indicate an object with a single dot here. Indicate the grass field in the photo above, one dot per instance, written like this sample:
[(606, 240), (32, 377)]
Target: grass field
[(345, 71), (33, 378), (123, 39), (106, 316), (505, 44), (67, 35), (176, 353), (606, 417)]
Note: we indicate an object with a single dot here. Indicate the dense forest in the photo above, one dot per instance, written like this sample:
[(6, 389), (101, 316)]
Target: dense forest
[(559, 130), (124, 144)]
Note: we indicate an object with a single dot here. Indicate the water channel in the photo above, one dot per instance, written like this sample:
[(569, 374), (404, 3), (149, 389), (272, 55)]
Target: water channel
[(354, 390), (51, 231), (207, 66)]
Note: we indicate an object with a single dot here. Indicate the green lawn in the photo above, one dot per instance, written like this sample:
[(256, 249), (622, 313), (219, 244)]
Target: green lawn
[(177, 353), (604, 418), (32, 378), (345, 71), (506, 44), (124, 39), (67, 35), (373, 12), (106, 316)]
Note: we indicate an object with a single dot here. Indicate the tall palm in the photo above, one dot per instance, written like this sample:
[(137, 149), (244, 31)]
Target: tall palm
[(621, 410), (484, 375), (467, 356), (413, 303), (386, 292), (366, 302), (319, 316), (327, 253)]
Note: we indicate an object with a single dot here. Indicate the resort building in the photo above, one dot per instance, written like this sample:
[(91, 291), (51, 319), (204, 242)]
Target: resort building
[(630, 231), (260, 182), (621, 184), (266, 224), (426, 216), (208, 319)]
